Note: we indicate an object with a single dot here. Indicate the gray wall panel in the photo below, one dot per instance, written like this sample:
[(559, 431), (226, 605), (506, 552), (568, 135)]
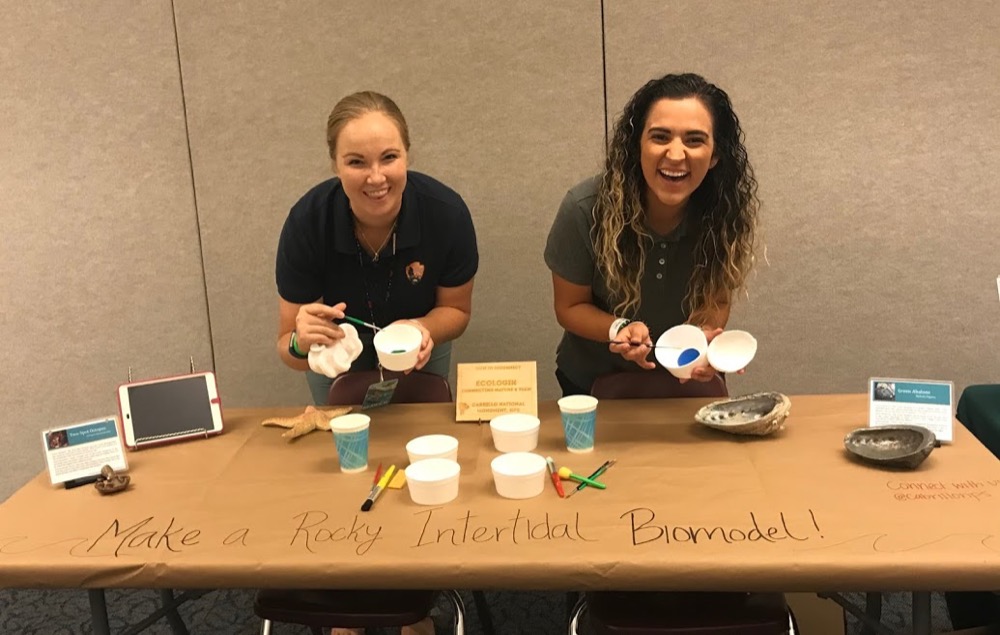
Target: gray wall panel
[(869, 125), (502, 106), (100, 265)]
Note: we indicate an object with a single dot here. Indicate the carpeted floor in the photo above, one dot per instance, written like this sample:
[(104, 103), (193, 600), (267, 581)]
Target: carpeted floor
[(230, 612)]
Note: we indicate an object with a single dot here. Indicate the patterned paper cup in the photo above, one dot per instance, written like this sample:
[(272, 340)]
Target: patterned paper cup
[(579, 419), (350, 433)]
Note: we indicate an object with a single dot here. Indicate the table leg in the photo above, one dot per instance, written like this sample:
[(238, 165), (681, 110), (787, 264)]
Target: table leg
[(873, 609), (483, 611), (921, 612), (173, 617), (98, 612)]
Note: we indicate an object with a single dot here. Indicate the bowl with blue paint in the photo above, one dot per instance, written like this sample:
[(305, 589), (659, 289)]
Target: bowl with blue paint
[(681, 350)]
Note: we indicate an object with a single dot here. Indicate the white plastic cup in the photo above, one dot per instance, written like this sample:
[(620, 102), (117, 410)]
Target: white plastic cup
[(515, 432), (433, 481), (397, 346), (350, 433), (674, 346), (579, 419), (432, 446), (519, 474)]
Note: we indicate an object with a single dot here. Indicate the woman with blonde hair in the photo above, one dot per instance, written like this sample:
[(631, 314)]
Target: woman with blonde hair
[(664, 236), (377, 242)]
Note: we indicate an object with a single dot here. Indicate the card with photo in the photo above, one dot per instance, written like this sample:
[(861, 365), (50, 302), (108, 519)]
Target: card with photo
[(80, 450), (914, 402)]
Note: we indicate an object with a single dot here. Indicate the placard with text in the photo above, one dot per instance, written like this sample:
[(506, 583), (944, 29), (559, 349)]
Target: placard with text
[(490, 389), (80, 450), (912, 402)]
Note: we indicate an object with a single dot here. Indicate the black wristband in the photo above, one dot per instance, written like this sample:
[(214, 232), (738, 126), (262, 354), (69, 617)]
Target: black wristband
[(293, 349)]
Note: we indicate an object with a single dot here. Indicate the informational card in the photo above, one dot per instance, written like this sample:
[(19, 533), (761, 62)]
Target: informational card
[(487, 390), (913, 402), (80, 450)]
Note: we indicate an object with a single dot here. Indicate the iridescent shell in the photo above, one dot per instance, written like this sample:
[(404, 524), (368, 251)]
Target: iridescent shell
[(891, 446), (758, 414)]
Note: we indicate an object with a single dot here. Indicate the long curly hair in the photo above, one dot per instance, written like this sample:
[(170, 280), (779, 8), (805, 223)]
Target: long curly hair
[(723, 208)]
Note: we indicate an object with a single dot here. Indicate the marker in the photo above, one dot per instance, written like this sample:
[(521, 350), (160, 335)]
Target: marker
[(597, 472), (568, 474), (555, 477), (378, 489)]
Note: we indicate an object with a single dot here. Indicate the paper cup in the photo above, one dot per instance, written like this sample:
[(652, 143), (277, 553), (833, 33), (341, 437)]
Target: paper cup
[(350, 433), (432, 446), (515, 432), (433, 481), (681, 350), (519, 474), (397, 346), (579, 419), (731, 351)]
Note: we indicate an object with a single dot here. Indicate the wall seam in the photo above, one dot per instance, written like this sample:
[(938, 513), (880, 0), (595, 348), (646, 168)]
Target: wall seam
[(194, 189), (604, 74)]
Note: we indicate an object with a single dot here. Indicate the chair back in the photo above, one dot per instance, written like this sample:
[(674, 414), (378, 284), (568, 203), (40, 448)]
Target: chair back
[(348, 389), (655, 384)]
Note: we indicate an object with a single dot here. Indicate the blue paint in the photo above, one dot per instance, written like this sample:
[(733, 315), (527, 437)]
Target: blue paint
[(687, 356)]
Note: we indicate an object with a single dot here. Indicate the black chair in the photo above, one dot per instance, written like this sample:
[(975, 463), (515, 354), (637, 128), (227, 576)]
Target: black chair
[(655, 384), (317, 608), (676, 613)]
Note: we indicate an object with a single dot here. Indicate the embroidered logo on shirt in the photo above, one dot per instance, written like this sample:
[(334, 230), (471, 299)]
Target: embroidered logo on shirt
[(415, 272)]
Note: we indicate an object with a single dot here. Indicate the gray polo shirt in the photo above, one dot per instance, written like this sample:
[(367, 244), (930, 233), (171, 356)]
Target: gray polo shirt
[(569, 253)]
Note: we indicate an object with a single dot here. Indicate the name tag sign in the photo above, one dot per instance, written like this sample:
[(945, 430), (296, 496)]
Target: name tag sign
[(76, 453), (913, 402), (491, 389)]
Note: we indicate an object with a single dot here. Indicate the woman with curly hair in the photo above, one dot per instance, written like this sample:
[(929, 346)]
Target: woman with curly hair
[(664, 236)]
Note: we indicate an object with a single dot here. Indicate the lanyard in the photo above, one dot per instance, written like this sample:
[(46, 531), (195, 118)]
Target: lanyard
[(391, 264)]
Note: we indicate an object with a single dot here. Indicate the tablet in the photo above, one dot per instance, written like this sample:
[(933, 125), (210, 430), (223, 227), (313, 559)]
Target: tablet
[(169, 409)]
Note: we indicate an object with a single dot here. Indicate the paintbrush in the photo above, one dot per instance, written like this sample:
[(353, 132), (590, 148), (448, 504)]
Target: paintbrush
[(358, 322), (597, 472), (367, 505)]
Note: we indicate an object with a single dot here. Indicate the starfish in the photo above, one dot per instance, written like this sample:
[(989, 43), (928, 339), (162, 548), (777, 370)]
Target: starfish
[(312, 419)]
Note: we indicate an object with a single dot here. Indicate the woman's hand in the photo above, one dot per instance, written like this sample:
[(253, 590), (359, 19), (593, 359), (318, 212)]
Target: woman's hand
[(314, 324), (426, 343), (633, 343), (706, 373)]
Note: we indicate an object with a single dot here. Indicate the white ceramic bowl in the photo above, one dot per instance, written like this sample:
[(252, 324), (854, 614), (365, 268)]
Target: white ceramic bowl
[(674, 350), (515, 432), (433, 481), (731, 351), (519, 474), (432, 446), (397, 346)]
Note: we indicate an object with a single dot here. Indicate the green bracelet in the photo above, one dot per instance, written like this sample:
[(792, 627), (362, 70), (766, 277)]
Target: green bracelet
[(293, 347)]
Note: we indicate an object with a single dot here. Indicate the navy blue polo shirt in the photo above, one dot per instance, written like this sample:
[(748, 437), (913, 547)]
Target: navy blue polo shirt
[(319, 258)]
